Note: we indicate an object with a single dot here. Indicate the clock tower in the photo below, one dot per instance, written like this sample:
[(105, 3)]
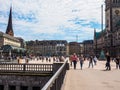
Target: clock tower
[(112, 14), (9, 29)]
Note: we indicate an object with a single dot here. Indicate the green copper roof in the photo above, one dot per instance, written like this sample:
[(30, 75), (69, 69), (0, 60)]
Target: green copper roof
[(97, 35), (7, 48)]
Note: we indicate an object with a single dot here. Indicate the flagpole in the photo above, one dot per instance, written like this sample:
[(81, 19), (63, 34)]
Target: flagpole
[(111, 29), (102, 18)]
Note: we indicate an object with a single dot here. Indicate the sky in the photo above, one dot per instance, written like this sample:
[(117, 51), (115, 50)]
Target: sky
[(71, 20)]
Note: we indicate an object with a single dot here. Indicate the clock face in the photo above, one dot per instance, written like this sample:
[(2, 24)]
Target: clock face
[(10, 33), (117, 12)]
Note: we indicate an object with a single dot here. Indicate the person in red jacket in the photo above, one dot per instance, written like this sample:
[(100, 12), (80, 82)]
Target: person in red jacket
[(74, 59)]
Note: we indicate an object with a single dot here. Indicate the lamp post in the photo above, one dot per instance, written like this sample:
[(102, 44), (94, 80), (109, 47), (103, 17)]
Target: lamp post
[(102, 18), (95, 38), (10, 54), (1, 53), (111, 30), (102, 27), (102, 56)]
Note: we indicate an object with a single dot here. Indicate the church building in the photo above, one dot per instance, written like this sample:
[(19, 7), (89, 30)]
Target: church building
[(10, 45)]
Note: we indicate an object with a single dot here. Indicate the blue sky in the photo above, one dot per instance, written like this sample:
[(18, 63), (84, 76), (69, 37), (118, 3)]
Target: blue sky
[(52, 19)]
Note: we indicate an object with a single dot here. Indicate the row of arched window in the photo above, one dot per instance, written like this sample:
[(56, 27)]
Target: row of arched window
[(116, 1)]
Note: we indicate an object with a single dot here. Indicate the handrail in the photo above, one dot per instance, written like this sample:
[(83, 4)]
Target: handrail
[(52, 80), (10, 67)]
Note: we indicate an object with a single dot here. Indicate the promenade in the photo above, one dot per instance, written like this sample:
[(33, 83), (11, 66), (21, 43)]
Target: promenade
[(95, 78)]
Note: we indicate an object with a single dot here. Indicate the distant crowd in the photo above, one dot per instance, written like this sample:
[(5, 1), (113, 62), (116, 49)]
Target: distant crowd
[(75, 58), (93, 61), (41, 58)]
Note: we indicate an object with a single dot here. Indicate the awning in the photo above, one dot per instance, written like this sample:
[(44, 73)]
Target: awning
[(7, 48)]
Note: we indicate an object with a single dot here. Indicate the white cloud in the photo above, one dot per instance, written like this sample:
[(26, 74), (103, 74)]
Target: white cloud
[(46, 16)]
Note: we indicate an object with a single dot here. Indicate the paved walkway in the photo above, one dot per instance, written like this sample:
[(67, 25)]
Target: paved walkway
[(92, 78)]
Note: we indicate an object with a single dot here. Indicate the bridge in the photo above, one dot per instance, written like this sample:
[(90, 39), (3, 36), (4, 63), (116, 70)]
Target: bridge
[(96, 78), (63, 79)]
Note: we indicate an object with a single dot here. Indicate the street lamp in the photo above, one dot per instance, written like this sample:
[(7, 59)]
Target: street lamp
[(102, 56), (10, 54), (1, 53), (111, 30)]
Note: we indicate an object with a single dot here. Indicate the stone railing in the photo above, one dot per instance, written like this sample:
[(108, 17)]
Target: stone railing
[(57, 79), (14, 67), (40, 76)]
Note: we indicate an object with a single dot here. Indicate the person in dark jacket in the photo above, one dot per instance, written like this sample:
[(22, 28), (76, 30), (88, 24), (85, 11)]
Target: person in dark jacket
[(90, 61), (108, 66)]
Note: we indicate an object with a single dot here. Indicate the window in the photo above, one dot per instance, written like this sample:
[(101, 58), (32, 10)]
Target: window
[(11, 88), (1, 87), (113, 1), (23, 88), (36, 88)]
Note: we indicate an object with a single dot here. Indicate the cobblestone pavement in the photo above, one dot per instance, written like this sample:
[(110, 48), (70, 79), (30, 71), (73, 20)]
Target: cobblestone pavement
[(95, 78)]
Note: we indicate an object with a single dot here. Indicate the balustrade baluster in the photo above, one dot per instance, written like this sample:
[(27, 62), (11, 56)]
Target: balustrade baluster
[(8, 67)]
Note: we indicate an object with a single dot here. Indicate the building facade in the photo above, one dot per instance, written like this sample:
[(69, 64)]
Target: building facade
[(88, 48), (109, 39), (47, 47), (112, 13), (74, 47), (6, 39)]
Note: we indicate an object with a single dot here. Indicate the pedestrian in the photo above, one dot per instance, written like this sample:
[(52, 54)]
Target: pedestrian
[(74, 59), (70, 60), (49, 59), (108, 66), (95, 60), (54, 59), (117, 61), (90, 61), (81, 59)]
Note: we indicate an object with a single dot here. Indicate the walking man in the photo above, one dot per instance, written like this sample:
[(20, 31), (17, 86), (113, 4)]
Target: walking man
[(108, 66), (90, 61)]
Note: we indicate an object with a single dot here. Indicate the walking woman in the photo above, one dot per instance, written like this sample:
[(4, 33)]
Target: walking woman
[(81, 59)]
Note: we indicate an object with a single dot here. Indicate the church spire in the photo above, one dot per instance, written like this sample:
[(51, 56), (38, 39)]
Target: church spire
[(94, 33), (9, 29)]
